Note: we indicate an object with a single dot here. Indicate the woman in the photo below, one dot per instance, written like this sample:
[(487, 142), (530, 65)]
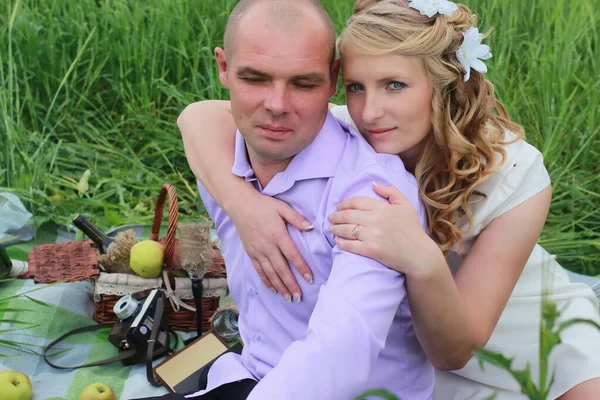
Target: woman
[(415, 87)]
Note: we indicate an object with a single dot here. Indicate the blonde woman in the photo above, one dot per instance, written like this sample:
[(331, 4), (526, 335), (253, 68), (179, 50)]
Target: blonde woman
[(415, 86)]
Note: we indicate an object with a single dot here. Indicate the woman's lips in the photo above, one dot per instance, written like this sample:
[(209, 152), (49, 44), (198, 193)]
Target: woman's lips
[(379, 133)]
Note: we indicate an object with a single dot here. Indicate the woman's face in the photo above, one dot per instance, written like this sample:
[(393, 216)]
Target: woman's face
[(389, 100)]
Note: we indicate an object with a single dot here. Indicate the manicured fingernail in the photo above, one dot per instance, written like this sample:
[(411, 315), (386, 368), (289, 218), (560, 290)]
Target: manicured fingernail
[(330, 228), (273, 290), (307, 225), (287, 297), (308, 278), (376, 184), (297, 297)]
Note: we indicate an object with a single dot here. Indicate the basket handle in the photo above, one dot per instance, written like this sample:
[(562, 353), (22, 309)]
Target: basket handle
[(172, 224)]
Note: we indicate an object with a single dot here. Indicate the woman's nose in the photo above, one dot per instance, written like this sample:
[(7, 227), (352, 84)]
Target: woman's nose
[(372, 109)]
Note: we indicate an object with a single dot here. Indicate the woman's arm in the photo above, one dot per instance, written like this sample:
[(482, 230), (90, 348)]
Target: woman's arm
[(208, 133), (452, 317)]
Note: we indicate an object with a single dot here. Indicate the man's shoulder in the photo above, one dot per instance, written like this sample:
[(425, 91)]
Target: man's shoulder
[(358, 155), (360, 166)]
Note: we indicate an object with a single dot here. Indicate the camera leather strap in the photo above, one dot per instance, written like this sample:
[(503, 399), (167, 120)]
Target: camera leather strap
[(157, 317), (158, 314), (197, 290), (121, 356)]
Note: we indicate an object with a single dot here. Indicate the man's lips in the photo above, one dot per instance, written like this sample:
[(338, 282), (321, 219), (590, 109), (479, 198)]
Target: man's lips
[(274, 130)]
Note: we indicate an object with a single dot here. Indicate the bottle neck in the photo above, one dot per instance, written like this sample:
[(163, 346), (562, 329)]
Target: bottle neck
[(90, 230)]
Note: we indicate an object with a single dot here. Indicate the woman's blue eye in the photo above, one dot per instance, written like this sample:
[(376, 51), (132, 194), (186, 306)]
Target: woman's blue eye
[(354, 87), (395, 85)]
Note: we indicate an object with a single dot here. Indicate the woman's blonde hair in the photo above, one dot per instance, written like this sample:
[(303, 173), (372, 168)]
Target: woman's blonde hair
[(468, 122)]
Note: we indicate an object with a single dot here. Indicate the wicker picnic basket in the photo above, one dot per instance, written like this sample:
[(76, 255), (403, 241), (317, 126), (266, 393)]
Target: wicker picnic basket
[(78, 260)]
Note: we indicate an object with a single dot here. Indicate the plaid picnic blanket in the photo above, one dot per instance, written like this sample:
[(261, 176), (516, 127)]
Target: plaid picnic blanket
[(68, 306), (51, 311)]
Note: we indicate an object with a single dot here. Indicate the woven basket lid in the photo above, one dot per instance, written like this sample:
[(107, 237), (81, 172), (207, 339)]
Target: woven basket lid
[(78, 260)]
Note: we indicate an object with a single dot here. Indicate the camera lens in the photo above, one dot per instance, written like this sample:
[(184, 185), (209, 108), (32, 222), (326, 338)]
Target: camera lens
[(125, 307)]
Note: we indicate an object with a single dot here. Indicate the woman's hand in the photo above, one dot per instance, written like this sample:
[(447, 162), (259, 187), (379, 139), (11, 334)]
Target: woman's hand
[(389, 233), (261, 224)]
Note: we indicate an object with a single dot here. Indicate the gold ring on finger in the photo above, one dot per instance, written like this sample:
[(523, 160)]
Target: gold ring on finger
[(356, 231)]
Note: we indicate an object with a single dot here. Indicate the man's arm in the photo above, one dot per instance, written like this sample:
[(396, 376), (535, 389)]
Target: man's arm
[(349, 325)]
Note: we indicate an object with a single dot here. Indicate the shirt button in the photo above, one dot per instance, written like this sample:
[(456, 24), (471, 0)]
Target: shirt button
[(257, 337), (253, 291)]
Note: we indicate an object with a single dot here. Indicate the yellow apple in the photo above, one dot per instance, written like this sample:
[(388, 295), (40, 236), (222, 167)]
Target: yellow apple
[(97, 391), (14, 386), (146, 258)]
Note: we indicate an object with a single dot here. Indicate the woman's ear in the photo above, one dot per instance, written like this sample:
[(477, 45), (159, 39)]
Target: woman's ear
[(221, 58)]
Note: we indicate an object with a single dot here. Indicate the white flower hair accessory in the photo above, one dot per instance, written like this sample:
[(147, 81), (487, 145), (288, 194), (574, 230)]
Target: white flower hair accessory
[(471, 51), (432, 7)]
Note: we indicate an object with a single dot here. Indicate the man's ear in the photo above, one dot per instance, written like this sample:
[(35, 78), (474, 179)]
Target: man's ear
[(221, 58), (335, 71)]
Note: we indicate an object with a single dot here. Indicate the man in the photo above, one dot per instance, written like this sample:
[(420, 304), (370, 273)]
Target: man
[(352, 330)]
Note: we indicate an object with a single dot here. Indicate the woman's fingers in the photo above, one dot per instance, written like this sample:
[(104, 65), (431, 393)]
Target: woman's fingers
[(290, 252), (348, 231), (361, 203), (273, 277), (283, 271), (349, 217), (287, 246), (293, 218), (352, 246), (391, 193), (263, 277)]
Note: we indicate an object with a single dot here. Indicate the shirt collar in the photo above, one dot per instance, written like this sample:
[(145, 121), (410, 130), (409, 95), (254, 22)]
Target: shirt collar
[(320, 159)]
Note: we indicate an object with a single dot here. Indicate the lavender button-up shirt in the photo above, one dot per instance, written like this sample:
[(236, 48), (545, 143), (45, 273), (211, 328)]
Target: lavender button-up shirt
[(352, 331)]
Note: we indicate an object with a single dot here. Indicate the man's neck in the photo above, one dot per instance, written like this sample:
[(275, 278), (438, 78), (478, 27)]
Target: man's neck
[(265, 170)]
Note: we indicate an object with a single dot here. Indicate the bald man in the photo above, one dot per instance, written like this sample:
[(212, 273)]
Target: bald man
[(352, 330)]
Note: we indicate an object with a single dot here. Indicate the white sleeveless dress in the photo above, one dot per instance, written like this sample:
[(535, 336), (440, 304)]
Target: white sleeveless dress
[(516, 335)]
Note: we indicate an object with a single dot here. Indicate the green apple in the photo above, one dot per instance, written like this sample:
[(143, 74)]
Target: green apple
[(97, 391), (14, 386), (146, 258)]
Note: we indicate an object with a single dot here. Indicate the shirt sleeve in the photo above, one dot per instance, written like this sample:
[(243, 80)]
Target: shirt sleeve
[(351, 320), (524, 176)]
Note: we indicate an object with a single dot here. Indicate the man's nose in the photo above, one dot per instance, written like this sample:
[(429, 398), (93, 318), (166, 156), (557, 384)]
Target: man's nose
[(277, 101), (372, 109)]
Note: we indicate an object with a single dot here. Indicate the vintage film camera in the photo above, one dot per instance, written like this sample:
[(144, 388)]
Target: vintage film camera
[(137, 315)]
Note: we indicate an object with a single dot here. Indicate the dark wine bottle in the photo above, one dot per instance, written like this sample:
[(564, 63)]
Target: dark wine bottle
[(8, 268), (5, 263), (94, 233)]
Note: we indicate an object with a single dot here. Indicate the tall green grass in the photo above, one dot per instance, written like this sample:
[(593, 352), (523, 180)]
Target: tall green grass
[(97, 85)]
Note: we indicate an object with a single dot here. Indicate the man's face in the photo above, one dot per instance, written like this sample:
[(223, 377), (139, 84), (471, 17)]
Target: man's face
[(280, 83)]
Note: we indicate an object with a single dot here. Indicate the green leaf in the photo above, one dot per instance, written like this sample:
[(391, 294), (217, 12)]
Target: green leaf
[(29, 291), (8, 309), (16, 321), (38, 302), (382, 393), (497, 359), (112, 217), (57, 352), (16, 253), (83, 185), (574, 321), (523, 377)]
